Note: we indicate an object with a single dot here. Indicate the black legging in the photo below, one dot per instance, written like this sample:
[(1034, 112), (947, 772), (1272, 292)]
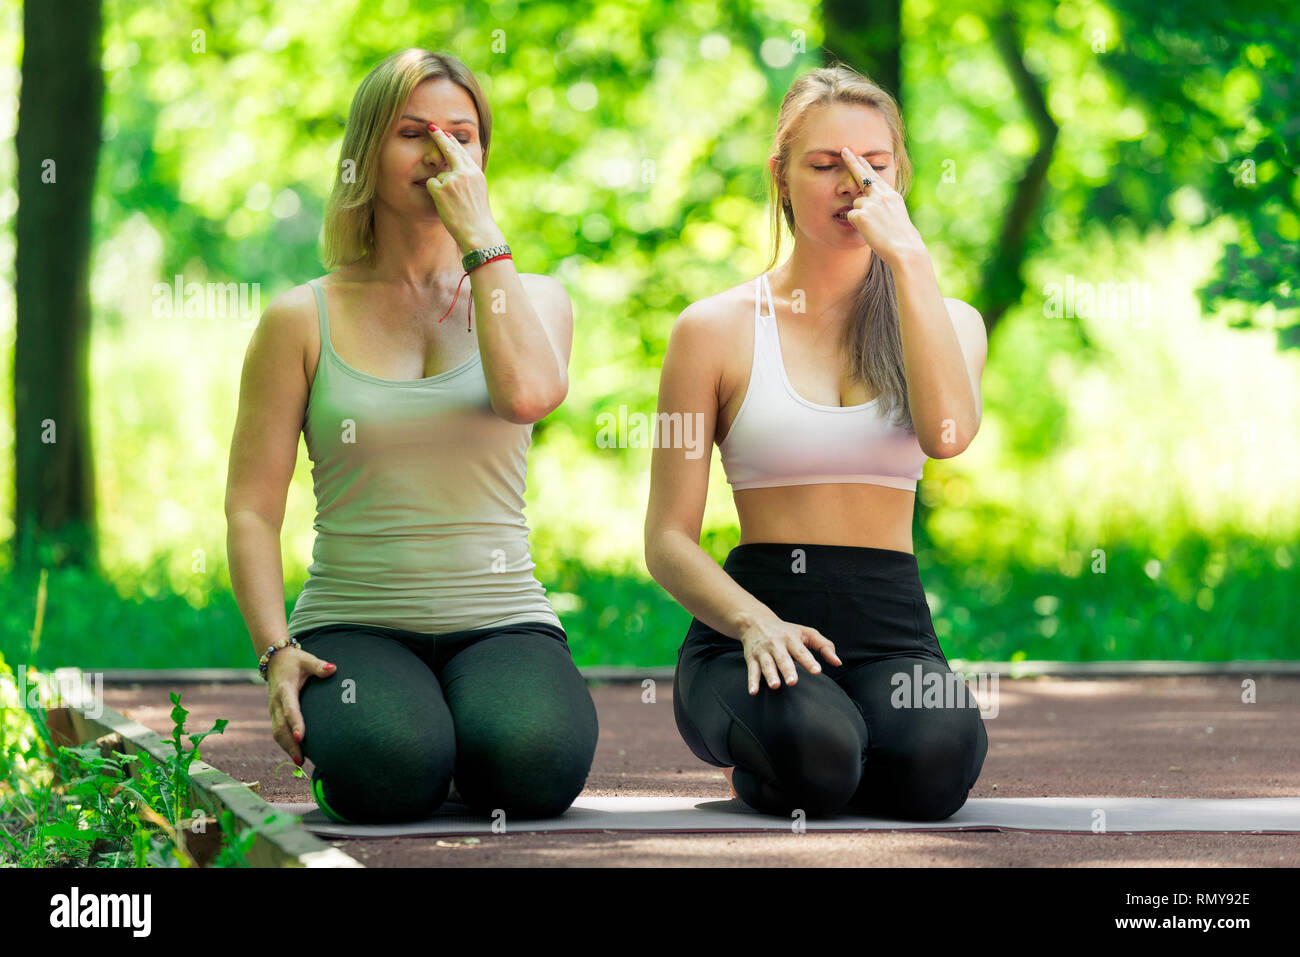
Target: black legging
[(834, 742), (503, 709)]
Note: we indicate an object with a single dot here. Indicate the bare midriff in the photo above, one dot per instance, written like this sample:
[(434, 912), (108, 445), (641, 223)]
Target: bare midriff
[(867, 516)]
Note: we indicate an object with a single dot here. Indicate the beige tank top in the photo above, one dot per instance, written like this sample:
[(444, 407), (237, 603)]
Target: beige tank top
[(419, 502)]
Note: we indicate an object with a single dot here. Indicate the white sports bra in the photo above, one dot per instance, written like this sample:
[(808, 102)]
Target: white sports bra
[(780, 438)]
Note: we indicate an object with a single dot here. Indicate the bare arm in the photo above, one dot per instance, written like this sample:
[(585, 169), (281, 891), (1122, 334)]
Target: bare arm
[(272, 402), (524, 339), (945, 407), (523, 342), (688, 384)]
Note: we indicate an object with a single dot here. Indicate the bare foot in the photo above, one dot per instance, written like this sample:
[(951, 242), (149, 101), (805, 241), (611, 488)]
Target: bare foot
[(726, 773)]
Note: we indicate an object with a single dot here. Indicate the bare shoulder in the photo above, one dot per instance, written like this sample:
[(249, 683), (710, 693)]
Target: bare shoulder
[(722, 313), (549, 290), (290, 322), (957, 307), (289, 314), (541, 281), (726, 324), (292, 304), (969, 324), (712, 339), (547, 286), (963, 313)]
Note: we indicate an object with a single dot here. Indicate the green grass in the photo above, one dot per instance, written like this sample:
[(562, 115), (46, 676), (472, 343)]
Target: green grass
[(71, 806), (1199, 600)]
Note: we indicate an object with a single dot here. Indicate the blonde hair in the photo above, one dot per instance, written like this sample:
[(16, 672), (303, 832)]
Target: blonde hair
[(871, 336), (349, 228)]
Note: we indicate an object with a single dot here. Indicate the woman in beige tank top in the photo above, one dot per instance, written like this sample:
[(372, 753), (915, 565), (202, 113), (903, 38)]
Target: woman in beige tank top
[(410, 394)]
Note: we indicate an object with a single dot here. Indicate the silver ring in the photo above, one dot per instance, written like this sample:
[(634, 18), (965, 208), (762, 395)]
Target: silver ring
[(865, 182)]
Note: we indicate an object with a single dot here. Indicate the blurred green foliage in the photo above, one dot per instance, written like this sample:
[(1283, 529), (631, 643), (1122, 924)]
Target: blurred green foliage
[(628, 160)]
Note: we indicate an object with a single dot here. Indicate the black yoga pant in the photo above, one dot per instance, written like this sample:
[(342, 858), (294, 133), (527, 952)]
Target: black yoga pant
[(834, 742), (504, 710)]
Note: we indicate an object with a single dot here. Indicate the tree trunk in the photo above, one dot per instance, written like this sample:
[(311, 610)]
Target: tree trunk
[(867, 37), (1004, 282), (57, 141)]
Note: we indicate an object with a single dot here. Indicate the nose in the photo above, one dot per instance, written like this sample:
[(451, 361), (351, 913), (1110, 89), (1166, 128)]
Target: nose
[(433, 156), (854, 184)]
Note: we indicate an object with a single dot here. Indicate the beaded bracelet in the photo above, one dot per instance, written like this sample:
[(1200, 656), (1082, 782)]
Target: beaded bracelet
[(262, 663)]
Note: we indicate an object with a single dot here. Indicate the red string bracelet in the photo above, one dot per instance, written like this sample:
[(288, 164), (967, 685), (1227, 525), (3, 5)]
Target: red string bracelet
[(462, 282)]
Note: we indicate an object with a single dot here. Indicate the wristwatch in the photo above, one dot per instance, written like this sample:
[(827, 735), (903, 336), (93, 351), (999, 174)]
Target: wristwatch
[(477, 257)]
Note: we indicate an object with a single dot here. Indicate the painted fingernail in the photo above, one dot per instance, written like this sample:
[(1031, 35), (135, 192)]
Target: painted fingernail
[(297, 736), (297, 759)]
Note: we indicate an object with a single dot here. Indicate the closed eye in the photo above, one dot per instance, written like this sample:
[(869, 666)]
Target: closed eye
[(412, 136), (878, 168)]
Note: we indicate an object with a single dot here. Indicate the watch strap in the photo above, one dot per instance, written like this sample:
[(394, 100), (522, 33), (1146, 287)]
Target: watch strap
[(477, 257)]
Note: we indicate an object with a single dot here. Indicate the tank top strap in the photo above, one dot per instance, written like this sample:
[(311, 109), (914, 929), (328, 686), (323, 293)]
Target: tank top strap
[(322, 314), (323, 323)]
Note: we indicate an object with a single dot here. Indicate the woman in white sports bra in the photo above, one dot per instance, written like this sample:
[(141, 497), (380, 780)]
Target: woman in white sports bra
[(827, 383)]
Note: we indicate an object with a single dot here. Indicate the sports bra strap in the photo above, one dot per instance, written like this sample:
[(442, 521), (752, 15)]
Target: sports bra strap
[(763, 288)]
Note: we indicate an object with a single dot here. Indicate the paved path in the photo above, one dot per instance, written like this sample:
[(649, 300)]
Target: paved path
[(1137, 737)]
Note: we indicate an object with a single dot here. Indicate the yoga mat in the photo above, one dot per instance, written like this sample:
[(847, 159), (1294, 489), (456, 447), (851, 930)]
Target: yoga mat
[(686, 814)]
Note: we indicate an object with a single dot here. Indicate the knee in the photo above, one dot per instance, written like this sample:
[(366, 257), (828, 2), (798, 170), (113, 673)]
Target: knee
[(388, 782), (934, 801), (816, 771), (935, 776), (525, 776)]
